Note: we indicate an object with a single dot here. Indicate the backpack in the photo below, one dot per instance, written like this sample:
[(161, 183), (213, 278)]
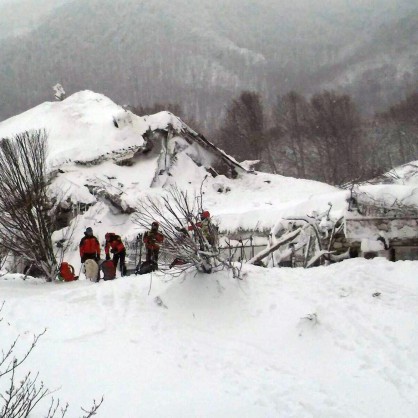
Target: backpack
[(109, 270), (66, 272), (146, 267)]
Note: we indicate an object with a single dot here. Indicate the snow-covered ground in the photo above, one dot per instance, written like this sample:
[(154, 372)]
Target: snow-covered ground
[(338, 341)]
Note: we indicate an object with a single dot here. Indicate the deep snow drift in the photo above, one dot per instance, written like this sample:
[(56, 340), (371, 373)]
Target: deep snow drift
[(338, 341)]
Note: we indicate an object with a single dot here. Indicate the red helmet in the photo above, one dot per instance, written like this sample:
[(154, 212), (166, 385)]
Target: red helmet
[(109, 235), (205, 214)]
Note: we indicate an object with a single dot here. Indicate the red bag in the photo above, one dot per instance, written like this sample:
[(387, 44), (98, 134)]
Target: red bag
[(67, 272), (109, 270)]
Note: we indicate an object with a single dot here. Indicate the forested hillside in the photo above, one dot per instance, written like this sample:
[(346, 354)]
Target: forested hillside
[(201, 54), (18, 17)]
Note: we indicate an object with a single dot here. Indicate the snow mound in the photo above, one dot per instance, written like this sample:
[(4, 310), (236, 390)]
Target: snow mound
[(81, 127), (336, 341), (406, 174)]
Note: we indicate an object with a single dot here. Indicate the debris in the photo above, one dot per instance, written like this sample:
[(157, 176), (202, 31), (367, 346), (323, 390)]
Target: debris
[(159, 302)]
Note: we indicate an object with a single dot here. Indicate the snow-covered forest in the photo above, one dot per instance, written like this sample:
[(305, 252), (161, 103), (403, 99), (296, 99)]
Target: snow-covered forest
[(208, 209), (200, 54)]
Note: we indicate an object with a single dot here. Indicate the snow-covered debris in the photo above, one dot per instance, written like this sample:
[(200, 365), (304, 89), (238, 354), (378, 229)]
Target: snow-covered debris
[(100, 152), (80, 128), (405, 174), (85, 148), (371, 245), (389, 195)]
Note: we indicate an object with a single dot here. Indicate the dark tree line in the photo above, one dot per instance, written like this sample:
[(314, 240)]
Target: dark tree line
[(146, 53), (322, 137), (397, 129), (243, 131)]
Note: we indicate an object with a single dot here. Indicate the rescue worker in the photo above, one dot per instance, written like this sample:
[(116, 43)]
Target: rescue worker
[(206, 227), (115, 245), (153, 240), (89, 247)]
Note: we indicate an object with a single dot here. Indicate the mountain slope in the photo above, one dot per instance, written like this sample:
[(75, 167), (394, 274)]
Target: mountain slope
[(21, 16), (385, 67), (200, 54)]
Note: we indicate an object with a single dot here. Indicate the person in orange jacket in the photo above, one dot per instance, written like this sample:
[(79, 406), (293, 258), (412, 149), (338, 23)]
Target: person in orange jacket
[(89, 247), (153, 240), (115, 246)]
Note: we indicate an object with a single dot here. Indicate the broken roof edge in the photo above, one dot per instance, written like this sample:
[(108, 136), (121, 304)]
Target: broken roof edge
[(191, 135)]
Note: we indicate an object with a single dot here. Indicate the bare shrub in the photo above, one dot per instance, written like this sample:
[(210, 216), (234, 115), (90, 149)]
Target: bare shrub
[(179, 217), (27, 211), (22, 395)]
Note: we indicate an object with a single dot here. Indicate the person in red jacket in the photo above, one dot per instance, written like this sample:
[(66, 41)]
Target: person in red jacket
[(205, 225), (115, 245), (153, 240), (89, 247)]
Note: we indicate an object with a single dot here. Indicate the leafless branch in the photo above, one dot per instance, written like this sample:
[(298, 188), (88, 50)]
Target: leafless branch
[(26, 223), (93, 410), (179, 217), (21, 396)]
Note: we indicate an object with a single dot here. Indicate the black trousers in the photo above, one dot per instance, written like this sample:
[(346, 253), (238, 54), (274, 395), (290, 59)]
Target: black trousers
[(90, 256), (152, 255), (120, 257)]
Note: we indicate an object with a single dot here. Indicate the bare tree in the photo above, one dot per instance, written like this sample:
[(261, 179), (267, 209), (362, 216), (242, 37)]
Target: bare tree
[(242, 134), (3, 257), (185, 241), (26, 209), (399, 130), (291, 117), (21, 396), (335, 127)]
